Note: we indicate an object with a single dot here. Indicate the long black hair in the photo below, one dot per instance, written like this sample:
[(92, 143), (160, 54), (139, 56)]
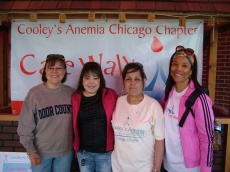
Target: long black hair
[(170, 82)]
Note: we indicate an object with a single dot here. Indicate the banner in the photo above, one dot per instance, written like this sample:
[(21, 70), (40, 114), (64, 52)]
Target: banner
[(110, 43), (14, 161)]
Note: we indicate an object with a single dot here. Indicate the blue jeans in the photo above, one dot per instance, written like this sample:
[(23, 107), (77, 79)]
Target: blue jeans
[(54, 164), (95, 162)]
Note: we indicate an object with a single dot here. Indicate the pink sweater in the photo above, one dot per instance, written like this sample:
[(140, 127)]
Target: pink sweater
[(109, 98), (197, 134)]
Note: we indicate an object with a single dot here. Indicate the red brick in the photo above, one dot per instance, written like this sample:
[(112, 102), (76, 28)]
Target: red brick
[(0, 143), (12, 144), (224, 77), (225, 52), (220, 81), (0, 128), (220, 56), (16, 137), (15, 123), (227, 82), (9, 129), (221, 39), (6, 136), (223, 85), (220, 64), (220, 48), (6, 149), (225, 43), (6, 123), (219, 97), (19, 149), (225, 34)]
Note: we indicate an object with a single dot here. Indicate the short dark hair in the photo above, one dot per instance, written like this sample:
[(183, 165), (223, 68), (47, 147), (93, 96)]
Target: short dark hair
[(170, 82), (95, 68), (135, 66), (51, 60)]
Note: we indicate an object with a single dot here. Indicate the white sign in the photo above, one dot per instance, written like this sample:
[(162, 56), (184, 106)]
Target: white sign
[(112, 44), (14, 161)]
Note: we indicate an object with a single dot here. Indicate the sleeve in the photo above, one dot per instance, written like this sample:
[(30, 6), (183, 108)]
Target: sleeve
[(158, 128), (204, 119), (26, 126)]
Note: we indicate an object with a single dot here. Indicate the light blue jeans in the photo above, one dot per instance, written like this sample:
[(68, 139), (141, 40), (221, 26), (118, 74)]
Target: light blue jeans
[(95, 162), (54, 164)]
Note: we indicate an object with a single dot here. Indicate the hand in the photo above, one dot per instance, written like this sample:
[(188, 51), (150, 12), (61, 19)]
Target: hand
[(33, 158)]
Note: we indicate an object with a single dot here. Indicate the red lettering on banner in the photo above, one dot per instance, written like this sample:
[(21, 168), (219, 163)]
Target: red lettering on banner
[(19, 28), (163, 29), (189, 31), (22, 65), (85, 30), (41, 70), (35, 30), (70, 64), (123, 29), (112, 68), (157, 29)]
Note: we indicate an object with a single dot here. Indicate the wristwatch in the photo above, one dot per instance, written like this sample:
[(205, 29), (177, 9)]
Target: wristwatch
[(156, 170)]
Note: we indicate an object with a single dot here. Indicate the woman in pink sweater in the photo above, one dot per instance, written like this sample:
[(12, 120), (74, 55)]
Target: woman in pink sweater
[(188, 148)]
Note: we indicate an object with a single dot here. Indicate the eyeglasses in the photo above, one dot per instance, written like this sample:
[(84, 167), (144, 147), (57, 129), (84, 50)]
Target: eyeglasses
[(188, 51), (55, 55), (59, 69)]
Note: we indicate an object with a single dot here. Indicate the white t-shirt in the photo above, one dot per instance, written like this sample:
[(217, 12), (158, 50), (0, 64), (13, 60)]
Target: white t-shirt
[(174, 159), (136, 127)]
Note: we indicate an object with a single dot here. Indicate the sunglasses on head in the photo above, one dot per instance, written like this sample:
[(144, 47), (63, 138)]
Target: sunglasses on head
[(188, 51), (55, 55)]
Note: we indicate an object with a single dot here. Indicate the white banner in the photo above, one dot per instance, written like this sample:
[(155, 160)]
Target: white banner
[(14, 161), (112, 44)]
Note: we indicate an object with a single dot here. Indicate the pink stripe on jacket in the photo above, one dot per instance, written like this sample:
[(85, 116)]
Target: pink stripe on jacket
[(197, 134), (109, 98)]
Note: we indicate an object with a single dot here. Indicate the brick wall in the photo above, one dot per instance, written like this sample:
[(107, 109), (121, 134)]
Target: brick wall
[(222, 88), (223, 71)]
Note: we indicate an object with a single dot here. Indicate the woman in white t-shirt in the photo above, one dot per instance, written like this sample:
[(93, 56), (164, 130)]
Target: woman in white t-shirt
[(187, 148), (138, 125)]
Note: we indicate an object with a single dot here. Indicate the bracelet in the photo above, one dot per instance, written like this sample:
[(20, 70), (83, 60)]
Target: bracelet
[(156, 170)]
